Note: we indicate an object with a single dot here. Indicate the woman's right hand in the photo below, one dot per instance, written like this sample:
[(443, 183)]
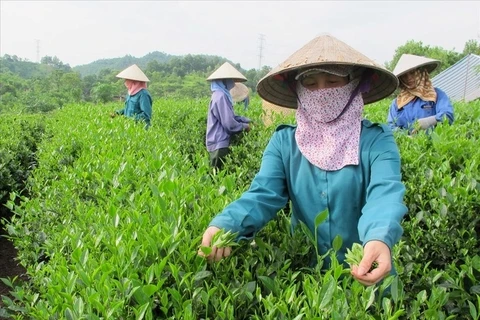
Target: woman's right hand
[(217, 253)]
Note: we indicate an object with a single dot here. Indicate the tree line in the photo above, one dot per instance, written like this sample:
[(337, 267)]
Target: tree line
[(447, 58), (50, 84), (41, 87)]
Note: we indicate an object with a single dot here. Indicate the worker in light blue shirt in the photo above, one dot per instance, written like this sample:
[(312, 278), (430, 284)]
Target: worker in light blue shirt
[(331, 160), (418, 101)]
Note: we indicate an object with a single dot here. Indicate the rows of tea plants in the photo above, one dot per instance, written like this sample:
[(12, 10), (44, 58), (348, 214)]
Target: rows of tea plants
[(441, 241), (19, 138), (115, 214)]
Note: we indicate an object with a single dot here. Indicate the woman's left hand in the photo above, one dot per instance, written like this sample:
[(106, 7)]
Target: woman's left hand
[(374, 251)]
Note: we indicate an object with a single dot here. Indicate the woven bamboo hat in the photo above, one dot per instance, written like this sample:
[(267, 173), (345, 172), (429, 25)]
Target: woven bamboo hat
[(409, 62), (133, 73), (321, 51), (227, 71), (239, 92)]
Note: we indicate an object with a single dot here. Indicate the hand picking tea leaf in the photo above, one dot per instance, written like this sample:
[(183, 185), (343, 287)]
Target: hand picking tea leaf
[(224, 239), (354, 257)]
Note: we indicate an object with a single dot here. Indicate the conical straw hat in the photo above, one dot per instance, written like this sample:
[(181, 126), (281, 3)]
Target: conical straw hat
[(239, 92), (408, 62), (324, 50), (133, 73), (227, 71)]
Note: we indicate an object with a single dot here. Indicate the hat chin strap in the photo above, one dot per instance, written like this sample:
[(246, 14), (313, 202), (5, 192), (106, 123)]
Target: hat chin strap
[(362, 86)]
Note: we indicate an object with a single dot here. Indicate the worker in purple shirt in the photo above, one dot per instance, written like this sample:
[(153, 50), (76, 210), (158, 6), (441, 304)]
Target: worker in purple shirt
[(222, 122)]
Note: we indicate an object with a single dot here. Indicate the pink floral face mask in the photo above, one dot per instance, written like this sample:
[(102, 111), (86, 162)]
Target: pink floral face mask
[(327, 138), (325, 105)]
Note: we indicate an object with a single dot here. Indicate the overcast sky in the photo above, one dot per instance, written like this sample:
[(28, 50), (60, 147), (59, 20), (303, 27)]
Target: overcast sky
[(80, 32)]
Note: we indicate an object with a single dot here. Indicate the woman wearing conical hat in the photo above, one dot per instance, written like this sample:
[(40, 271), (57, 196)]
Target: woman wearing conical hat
[(222, 122), (418, 101), (240, 93), (138, 103), (331, 160)]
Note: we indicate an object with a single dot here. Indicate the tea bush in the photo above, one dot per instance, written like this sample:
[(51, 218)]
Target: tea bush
[(115, 215)]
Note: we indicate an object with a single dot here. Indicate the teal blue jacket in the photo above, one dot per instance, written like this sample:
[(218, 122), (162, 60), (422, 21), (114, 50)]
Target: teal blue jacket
[(138, 106), (365, 201)]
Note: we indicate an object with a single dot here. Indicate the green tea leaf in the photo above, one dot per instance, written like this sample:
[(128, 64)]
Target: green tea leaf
[(202, 275), (321, 217), (337, 242), (327, 292)]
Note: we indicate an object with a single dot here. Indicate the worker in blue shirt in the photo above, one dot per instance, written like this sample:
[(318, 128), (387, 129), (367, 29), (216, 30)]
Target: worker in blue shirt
[(240, 94), (138, 103), (331, 160), (246, 102), (418, 101)]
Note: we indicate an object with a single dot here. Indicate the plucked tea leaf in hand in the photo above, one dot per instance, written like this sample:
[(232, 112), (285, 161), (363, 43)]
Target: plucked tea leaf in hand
[(224, 239), (354, 257)]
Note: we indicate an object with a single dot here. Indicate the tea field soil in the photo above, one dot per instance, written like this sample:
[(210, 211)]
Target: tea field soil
[(9, 266)]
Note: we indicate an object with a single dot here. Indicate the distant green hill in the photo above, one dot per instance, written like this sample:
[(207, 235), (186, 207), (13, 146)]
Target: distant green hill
[(153, 61), (23, 68), (182, 76), (122, 63)]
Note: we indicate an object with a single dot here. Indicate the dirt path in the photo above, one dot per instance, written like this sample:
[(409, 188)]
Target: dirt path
[(9, 267)]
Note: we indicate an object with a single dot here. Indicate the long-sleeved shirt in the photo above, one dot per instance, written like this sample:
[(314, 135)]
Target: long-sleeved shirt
[(364, 201), (405, 117), (222, 122), (138, 106)]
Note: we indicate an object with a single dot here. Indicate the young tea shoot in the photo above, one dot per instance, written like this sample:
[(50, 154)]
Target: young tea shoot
[(354, 257)]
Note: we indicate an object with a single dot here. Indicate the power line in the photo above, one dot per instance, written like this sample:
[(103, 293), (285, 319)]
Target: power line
[(260, 55), (37, 41)]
